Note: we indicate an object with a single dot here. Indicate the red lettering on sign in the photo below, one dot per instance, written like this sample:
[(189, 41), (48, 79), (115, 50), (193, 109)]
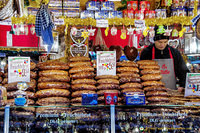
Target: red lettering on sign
[(165, 72), (164, 66)]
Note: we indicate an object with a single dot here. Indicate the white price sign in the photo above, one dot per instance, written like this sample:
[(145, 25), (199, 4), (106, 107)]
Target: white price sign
[(106, 63), (18, 69), (102, 23), (139, 23), (59, 21), (192, 86)]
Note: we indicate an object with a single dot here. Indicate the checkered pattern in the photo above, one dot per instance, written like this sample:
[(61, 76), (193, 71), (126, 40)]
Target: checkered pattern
[(43, 20)]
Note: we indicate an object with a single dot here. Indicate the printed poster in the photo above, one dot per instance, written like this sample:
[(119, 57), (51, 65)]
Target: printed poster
[(18, 69), (106, 63), (192, 86)]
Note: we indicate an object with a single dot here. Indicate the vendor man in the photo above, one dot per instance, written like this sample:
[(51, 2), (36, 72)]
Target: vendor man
[(170, 60)]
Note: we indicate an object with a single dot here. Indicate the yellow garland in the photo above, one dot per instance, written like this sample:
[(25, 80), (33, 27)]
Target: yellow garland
[(116, 21)]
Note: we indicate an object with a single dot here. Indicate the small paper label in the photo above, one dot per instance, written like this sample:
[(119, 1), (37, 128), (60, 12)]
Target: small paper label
[(102, 23), (9, 39), (139, 23)]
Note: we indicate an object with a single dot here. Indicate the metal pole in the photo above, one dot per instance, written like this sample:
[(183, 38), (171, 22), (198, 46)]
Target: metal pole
[(6, 118), (112, 116)]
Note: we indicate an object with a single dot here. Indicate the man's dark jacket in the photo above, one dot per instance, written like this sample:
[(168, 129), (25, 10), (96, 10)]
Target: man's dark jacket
[(179, 64)]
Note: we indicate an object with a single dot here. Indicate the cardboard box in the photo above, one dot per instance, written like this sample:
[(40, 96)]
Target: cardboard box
[(134, 98), (89, 99)]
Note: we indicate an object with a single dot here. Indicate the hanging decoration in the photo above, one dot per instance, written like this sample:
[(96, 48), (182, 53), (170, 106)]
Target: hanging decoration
[(106, 31), (113, 31), (175, 33), (168, 31), (91, 31), (181, 33), (130, 30), (160, 29), (73, 30), (145, 32), (123, 33), (84, 34)]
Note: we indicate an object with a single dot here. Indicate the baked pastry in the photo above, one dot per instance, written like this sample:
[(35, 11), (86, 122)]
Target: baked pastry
[(29, 94), (47, 73), (1, 79), (79, 64), (106, 77), (158, 99), (82, 75), (1, 74), (81, 69), (129, 80), (131, 85), (79, 93), (132, 90), (56, 85), (128, 74), (83, 87), (153, 83), (157, 93), (79, 58), (160, 103), (54, 78), (76, 100), (101, 92), (153, 67), (150, 71), (33, 75), (147, 62), (84, 81), (130, 52), (108, 81), (13, 86), (52, 93), (11, 102), (155, 88), (53, 101), (53, 66), (151, 77), (108, 86), (127, 69), (127, 64), (5, 81)]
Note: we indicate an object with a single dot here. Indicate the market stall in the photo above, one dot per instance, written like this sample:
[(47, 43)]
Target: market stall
[(78, 69)]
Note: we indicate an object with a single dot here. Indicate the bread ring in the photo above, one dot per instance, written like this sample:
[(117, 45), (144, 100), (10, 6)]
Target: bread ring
[(108, 86), (108, 81), (54, 78), (47, 73), (82, 75), (154, 67), (131, 85), (84, 81), (79, 58), (127, 64), (153, 83), (53, 101), (150, 71), (147, 62), (52, 93), (57, 85), (151, 77), (79, 93), (79, 64), (157, 93), (132, 90), (81, 69), (129, 80), (101, 92), (128, 74), (106, 77), (155, 88), (127, 69), (158, 99), (83, 87)]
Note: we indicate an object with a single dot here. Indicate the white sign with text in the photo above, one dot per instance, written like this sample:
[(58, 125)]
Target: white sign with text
[(18, 69), (106, 63)]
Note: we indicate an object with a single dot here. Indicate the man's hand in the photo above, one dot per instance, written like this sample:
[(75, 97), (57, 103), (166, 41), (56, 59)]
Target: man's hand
[(181, 89)]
